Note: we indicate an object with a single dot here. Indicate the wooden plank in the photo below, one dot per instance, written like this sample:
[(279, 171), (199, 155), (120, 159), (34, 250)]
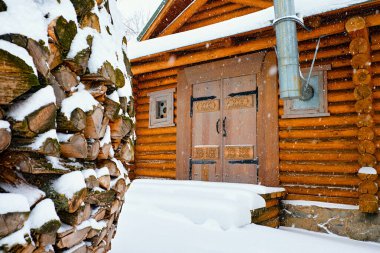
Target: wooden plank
[(183, 17), (344, 168), (267, 127), (184, 91)]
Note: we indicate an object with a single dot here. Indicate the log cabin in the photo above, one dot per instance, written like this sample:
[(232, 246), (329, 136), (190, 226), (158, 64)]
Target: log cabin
[(210, 106)]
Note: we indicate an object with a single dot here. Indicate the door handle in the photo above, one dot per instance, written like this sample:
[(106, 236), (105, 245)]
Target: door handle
[(217, 126), (224, 127)]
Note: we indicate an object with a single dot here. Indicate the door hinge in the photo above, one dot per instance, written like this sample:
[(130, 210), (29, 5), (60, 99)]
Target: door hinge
[(191, 162), (253, 161), (246, 93), (193, 99)]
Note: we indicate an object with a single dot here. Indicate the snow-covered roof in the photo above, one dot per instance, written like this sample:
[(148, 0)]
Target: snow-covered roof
[(250, 22)]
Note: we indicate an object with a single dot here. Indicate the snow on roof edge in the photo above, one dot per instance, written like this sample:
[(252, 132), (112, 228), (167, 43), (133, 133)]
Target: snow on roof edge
[(231, 27)]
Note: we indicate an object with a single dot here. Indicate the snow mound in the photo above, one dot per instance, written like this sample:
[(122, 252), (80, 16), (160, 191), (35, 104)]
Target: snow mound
[(41, 138), (200, 203), (13, 203), (39, 99), (32, 193), (69, 184)]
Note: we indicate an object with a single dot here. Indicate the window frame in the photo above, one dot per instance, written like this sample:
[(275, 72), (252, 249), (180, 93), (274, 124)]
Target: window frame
[(162, 95)]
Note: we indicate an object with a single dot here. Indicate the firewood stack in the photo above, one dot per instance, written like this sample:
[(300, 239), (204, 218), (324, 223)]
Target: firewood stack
[(362, 77), (66, 127)]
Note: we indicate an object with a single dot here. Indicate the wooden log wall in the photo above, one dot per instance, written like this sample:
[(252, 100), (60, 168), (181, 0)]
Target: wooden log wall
[(155, 147)]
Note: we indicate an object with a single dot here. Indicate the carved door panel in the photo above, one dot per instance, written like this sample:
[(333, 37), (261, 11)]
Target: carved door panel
[(206, 158), (239, 129)]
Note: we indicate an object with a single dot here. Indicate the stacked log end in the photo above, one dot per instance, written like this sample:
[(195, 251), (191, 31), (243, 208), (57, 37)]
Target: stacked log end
[(66, 131), (360, 49)]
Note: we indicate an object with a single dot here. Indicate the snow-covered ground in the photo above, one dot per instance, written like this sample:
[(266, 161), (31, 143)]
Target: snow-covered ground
[(155, 218)]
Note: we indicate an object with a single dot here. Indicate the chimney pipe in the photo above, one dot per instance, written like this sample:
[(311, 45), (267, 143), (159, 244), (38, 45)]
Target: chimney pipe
[(287, 49)]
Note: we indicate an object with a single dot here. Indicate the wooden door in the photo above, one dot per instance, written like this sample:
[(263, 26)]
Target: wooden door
[(206, 161), (224, 130), (239, 127)]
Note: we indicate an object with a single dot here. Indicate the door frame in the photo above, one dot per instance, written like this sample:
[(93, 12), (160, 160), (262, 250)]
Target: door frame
[(260, 64)]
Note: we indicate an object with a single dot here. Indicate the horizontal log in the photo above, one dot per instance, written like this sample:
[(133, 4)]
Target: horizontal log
[(315, 122), (157, 139), (340, 200), (153, 148), (333, 180), (157, 82), (318, 145), (318, 156), (163, 166), (341, 96), (272, 212), (320, 134), (320, 191), (156, 74), (344, 168), (155, 131), (155, 173), (155, 156), (142, 93)]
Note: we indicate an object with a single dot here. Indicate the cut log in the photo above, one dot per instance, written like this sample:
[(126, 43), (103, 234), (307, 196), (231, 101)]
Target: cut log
[(125, 153), (105, 123), (94, 120), (120, 127), (11, 222), (366, 133), (99, 213), (369, 187), (90, 20), (361, 76), (74, 219), (37, 122), (58, 91), (367, 160), (368, 203), (97, 90), (72, 239), (82, 7), (366, 146), (65, 32), (49, 147), (105, 182), (354, 24), (40, 55), (65, 77), (364, 106), (104, 151), (55, 58), (367, 177), (76, 147), (80, 62), (5, 139), (112, 109), (76, 123), (362, 92), (111, 165), (365, 120), (100, 198), (91, 181), (93, 149), (119, 186), (361, 61), (43, 240), (359, 45), (16, 77)]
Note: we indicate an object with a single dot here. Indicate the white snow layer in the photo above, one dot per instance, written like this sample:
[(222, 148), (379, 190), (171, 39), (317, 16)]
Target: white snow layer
[(37, 100), (42, 213), (231, 27), (64, 137), (107, 137), (81, 99), (13, 203), (170, 231), (88, 173), (18, 52), (32, 193), (102, 172), (126, 90), (227, 206), (114, 96), (5, 125), (69, 184), (41, 138), (54, 161), (368, 170), (53, 9), (320, 204), (24, 17)]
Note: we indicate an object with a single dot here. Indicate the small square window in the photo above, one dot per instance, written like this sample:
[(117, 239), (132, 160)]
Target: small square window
[(161, 108), (317, 106)]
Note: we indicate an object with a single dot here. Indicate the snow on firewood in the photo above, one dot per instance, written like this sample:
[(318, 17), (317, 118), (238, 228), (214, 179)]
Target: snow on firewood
[(81, 99), (20, 237), (121, 168), (53, 9), (107, 137), (23, 17), (79, 42), (102, 172), (69, 184), (41, 138), (37, 100), (368, 170), (13, 203), (64, 137), (88, 173), (43, 213), (19, 52), (114, 97), (75, 248), (32, 193), (5, 125), (126, 90)]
